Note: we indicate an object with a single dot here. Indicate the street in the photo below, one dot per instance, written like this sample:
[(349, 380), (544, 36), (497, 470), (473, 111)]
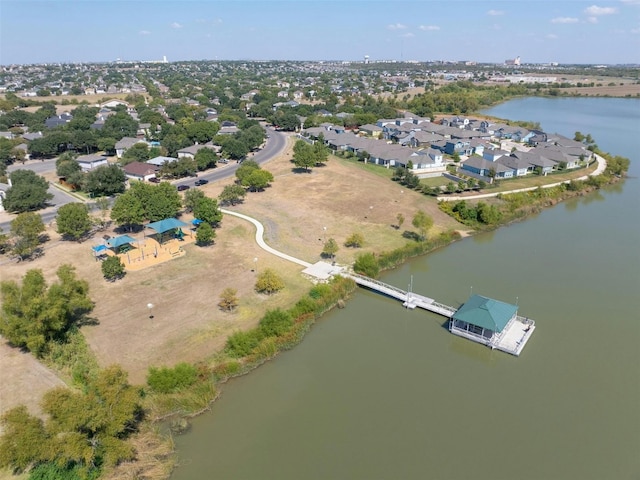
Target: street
[(275, 142)]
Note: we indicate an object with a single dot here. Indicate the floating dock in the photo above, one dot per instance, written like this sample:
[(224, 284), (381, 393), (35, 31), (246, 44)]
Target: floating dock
[(483, 320)]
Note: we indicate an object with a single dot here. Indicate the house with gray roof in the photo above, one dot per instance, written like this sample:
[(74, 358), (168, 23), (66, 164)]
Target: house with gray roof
[(161, 160), (536, 160), (482, 167), (90, 162), (519, 166), (126, 143)]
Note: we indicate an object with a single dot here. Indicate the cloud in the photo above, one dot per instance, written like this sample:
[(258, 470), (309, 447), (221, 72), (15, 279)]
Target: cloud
[(595, 10), (635, 31), (429, 28), (144, 32), (396, 26), (176, 25), (495, 13), (564, 20), (592, 19), (552, 36), (407, 35)]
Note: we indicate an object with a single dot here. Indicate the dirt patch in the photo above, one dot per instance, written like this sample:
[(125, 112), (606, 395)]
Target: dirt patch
[(24, 380)]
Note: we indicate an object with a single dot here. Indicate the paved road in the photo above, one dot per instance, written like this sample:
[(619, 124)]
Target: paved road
[(274, 145)]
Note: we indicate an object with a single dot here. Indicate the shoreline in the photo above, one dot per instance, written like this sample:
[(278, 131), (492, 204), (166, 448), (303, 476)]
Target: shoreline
[(463, 234)]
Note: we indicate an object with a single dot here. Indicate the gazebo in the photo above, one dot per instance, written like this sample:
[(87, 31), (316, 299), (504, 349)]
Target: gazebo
[(117, 243), (165, 225), (483, 319)]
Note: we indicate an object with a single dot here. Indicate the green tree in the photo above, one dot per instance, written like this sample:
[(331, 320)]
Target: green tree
[(113, 268), (108, 145), (28, 192), (158, 201), (258, 180), (232, 194), (33, 314), (320, 151), (205, 234), (367, 264), (268, 282), (67, 168), (206, 209), (228, 299), (91, 426), (24, 441), (244, 170), (330, 248), (303, 155), (137, 153), (451, 187), (73, 221), (105, 180), (127, 210), (423, 223), (25, 230), (191, 198), (119, 126), (205, 158), (355, 240)]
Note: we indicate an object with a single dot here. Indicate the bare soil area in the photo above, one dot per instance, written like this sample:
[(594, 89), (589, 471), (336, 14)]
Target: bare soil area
[(300, 211)]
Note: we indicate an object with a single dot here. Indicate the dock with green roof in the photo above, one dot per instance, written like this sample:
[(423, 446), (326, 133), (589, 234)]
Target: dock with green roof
[(484, 320)]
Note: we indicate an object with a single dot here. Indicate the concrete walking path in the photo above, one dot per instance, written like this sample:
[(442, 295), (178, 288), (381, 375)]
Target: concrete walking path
[(260, 240), (602, 165)]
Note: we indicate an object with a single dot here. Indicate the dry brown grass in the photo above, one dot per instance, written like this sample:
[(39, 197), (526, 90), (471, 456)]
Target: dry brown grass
[(187, 324)]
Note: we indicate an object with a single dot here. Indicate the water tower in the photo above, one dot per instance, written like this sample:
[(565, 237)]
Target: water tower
[(366, 59)]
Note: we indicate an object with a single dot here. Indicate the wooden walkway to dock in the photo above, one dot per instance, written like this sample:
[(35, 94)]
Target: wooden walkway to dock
[(409, 299)]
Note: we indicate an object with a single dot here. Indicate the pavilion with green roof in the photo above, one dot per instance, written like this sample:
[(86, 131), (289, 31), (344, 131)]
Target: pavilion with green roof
[(483, 319)]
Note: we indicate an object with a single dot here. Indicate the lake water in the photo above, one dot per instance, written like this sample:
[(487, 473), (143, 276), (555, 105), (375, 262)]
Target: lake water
[(379, 392)]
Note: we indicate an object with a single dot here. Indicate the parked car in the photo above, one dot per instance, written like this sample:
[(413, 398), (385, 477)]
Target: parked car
[(201, 181), (154, 180), (182, 188)]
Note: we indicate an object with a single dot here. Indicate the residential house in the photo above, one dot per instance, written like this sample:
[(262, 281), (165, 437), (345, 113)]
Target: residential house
[(190, 152), (91, 162), (161, 160), (519, 166), (371, 130), (461, 147), (536, 160), (32, 136), (126, 143), (493, 154), (58, 120), (484, 168), (140, 171)]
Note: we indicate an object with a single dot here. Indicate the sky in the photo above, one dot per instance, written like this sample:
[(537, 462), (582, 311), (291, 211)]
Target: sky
[(537, 31)]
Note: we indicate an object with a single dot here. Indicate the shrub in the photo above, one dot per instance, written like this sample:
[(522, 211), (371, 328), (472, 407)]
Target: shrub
[(366, 264), (168, 380), (275, 323), (240, 344)]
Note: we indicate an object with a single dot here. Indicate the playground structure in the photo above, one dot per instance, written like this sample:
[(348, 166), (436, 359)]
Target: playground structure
[(165, 244)]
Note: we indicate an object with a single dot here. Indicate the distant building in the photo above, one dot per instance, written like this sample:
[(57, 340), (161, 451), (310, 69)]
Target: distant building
[(513, 62)]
